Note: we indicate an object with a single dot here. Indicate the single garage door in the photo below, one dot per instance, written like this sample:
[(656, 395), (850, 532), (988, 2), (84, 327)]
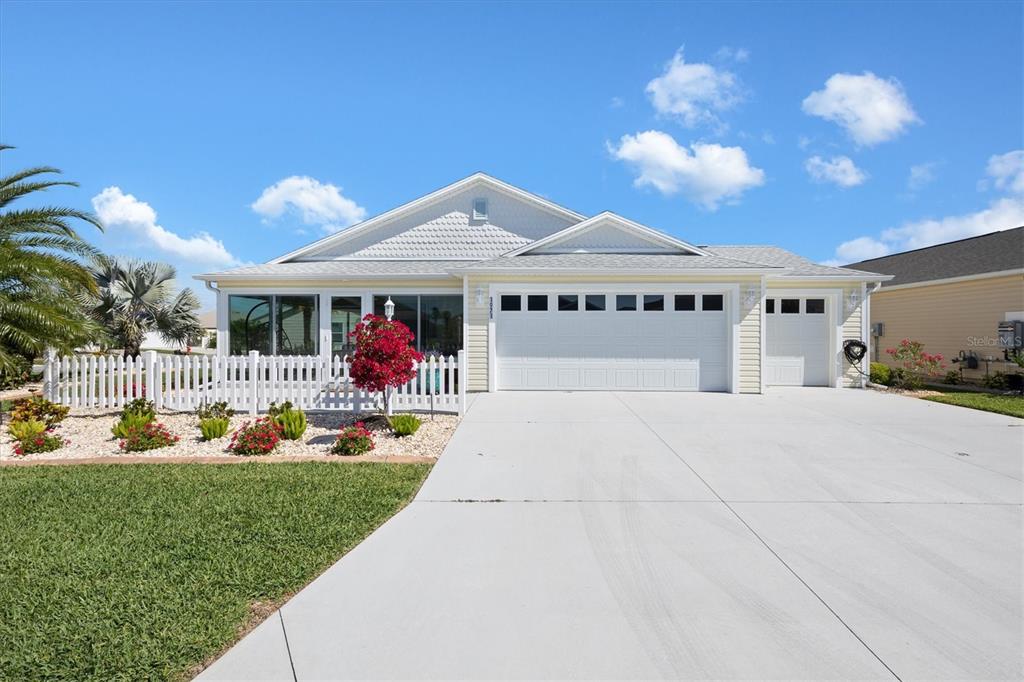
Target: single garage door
[(611, 341), (797, 342)]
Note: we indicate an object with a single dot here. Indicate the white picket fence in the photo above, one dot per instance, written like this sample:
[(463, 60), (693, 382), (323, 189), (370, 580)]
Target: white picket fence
[(245, 382)]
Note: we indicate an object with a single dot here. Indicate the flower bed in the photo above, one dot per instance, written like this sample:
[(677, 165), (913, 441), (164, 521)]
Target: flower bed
[(89, 431)]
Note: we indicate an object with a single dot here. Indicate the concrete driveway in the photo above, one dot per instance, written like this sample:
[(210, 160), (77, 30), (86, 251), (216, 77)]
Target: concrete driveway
[(804, 534)]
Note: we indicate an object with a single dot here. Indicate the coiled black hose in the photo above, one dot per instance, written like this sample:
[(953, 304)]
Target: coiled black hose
[(854, 351)]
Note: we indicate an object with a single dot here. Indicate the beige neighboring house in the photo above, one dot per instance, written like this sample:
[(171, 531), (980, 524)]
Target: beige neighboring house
[(541, 298), (951, 297)]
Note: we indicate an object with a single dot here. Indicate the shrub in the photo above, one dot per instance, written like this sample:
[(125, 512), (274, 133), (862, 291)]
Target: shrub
[(384, 357), (44, 442), (880, 374), (952, 378), (996, 380), (213, 428), (151, 436), (405, 424), (258, 438), (914, 362), (23, 430), (275, 410), (130, 422), (17, 375), (214, 411), (292, 423), (353, 440), (139, 406), (42, 409)]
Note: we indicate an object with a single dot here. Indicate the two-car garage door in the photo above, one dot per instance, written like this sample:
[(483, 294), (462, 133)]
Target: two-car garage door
[(671, 341)]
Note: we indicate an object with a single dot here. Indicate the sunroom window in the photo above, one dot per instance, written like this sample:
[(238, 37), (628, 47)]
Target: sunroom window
[(273, 325), (435, 319)]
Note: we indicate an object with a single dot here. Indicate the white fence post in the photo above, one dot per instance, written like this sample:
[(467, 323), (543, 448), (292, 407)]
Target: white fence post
[(48, 382), (154, 383), (254, 381), (463, 380)]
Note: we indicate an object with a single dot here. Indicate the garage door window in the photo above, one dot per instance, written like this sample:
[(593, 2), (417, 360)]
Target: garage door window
[(790, 306), (595, 301), (537, 302), (625, 302), (568, 302), (712, 302), (511, 303), (769, 305), (686, 302), (815, 306), (654, 302)]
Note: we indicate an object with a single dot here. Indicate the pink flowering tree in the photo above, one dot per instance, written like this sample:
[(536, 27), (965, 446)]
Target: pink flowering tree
[(384, 357), (914, 363)]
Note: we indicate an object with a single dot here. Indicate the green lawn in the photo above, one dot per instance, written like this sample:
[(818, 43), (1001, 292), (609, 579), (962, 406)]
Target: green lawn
[(144, 571), (1012, 405)]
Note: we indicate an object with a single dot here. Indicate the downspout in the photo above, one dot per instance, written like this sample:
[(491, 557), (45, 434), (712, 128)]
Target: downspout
[(222, 334)]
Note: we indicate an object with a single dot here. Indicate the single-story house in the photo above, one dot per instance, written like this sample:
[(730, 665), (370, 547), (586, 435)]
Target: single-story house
[(544, 298), (951, 297)]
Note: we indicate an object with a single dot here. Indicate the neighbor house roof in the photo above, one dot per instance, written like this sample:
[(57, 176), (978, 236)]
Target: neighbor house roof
[(989, 253), (340, 269)]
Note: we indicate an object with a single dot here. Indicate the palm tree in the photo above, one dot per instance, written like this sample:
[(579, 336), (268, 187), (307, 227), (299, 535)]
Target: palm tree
[(40, 276), (137, 297)]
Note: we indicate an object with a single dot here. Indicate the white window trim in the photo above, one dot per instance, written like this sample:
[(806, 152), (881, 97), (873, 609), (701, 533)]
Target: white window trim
[(477, 215)]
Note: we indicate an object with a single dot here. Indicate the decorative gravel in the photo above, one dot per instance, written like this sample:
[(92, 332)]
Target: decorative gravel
[(89, 433)]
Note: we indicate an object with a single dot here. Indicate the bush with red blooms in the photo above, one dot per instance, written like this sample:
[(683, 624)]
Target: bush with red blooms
[(151, 436), (384, 357), (353, 440), (44, 442), (258, 438), (914, 362)]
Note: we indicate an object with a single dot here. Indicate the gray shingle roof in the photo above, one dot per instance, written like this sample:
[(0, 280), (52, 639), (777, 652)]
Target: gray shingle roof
[(623, 261), (773, 255), (340, 269), (993, 252), (451, 235)]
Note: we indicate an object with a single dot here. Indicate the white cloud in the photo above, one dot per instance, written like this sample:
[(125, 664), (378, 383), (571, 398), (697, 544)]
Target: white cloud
[(707, 174), (839, 170), (921, 175), (871, 109), (767, 137), (616, 103), (1001, 214), (1007, 171), (694, 94), (803, 142), (317, 203), (119, 210), (733, 54)]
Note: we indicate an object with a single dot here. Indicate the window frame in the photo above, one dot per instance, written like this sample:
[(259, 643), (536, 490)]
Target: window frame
[(721, 303), (542, 297), (575, 303), (807, 306), (782, 306), (481, 215), (586, 303), (273, 319), (626, 310)]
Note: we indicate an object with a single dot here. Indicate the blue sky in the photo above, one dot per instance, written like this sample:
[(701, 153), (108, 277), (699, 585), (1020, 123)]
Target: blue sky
[(865, 128)]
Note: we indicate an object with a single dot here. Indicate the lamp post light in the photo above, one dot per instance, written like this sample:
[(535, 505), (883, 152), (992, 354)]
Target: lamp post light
[(389, 309)]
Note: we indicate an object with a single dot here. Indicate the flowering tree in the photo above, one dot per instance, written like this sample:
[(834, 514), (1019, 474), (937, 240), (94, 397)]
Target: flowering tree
[(914, 361), (384, 356)]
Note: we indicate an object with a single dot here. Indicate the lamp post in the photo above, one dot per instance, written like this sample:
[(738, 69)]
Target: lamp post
[(389, 309)]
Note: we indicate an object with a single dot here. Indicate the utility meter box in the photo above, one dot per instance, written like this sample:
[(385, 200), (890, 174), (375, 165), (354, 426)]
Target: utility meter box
[(878, 329), (1011, 335)]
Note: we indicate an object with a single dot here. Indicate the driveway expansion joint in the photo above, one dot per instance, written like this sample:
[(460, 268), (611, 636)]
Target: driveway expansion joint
[(760, 539)]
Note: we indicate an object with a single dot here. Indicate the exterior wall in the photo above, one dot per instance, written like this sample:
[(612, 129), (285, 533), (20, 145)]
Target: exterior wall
[(749, 323), (948, 318)]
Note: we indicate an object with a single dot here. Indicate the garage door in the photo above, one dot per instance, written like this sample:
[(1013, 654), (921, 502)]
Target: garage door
[(611, 341), (797, 342)]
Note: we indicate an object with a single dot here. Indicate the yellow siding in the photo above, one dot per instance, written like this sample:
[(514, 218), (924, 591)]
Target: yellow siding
[(948, 318)]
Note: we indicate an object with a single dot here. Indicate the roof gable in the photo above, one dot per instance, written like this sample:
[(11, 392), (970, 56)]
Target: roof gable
[(515, 217), (608, 233)]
